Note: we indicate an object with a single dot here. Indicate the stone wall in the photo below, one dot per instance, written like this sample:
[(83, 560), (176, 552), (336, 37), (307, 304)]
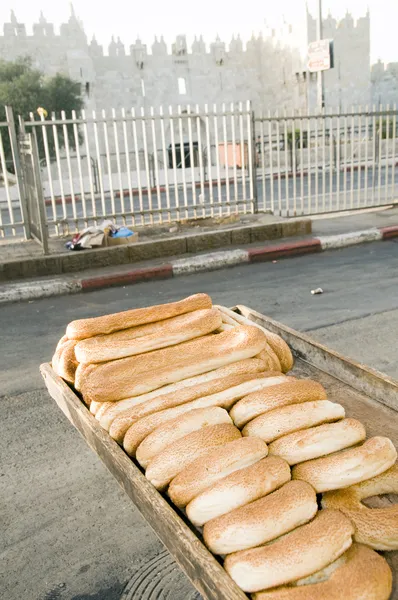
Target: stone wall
[(269, 69)]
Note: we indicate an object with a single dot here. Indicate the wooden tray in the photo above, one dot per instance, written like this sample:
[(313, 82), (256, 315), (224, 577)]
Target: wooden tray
[(366, 394)]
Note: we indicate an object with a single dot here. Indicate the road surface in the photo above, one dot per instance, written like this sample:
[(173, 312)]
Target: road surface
[(69, 532), (322, 192)]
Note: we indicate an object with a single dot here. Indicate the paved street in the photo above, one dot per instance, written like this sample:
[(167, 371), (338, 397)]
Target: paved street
[(322, 192), (70, 533)]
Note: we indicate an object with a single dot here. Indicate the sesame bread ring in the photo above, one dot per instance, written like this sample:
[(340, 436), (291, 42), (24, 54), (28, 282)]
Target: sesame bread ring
[(297, 554), (216, 465), (239, 488), (173, 430), (360, 574), (375, 527), (263, 520), (289, 392), (278, 345), (278, 422), (318, 441), (167, 464), (345, 468)]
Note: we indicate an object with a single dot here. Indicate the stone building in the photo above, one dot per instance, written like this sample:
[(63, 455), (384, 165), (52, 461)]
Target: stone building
[(269, 69)]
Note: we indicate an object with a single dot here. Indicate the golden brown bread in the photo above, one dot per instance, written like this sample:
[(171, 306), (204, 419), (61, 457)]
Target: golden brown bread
[(314, 442), (242, 367), (217, 464), (359, 574), (175, 429), (167, 464), (61, 342), (160, 335), (238, 489), (297, 554), (234, 388), (270, 359), (64, 361), (277, 344), (137, 432), (85, 328), (375, 527), (80, 375), (263, 520), (289, 392), (278, 422), (95, 406), (140, 374), (348, 467)]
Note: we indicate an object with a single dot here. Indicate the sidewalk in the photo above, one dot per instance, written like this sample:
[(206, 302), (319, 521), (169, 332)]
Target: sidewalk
[(327, 233)]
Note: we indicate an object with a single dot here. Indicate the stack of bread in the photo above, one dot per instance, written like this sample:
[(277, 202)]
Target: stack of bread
[(199, 397)]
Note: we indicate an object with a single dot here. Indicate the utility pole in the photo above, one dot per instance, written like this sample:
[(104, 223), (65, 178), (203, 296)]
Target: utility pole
[(320, 80)]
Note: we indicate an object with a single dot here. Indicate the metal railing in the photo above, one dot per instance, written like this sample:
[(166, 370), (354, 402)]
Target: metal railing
[(165, 165), (13, 212), (147, 168), (309, 164)]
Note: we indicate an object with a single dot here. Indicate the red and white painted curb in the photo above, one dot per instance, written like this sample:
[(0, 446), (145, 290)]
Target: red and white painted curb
[(194, 264)]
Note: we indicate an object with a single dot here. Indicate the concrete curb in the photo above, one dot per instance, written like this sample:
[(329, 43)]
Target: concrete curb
[(204, 262)]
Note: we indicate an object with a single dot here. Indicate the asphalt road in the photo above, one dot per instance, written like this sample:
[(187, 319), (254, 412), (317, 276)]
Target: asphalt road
[(68, 532), (321, 192)]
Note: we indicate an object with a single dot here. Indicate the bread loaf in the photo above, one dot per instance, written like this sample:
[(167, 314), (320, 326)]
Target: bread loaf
[(140, 374), (224, 398), (289, 392), (277, 344), (167, 464), (94, 406), (61, 342), (297, 554), (359, 574), (217, 464), (242, 367), (136, 433), (175, 429), (270, 359), (238, 489), (348, 467), (314, 442), (263, 520), (85, 328), (64, 361), (375, 527), (279, 422), (162, 334)]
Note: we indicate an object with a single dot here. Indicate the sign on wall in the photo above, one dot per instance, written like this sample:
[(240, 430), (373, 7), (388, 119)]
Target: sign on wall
[(320, 56)]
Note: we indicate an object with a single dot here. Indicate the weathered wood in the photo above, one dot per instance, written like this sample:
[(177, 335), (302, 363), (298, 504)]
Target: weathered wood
[(206, 574), (366, 394), (377, 385)]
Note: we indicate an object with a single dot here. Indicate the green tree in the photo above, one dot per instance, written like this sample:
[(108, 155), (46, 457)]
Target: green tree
[(26, 89)]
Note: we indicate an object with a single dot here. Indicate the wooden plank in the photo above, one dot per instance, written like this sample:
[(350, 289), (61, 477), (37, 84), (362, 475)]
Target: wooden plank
[(377, 385), (201, 567)]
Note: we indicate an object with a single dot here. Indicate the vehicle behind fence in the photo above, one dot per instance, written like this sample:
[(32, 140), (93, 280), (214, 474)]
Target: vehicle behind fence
[(168, 165)]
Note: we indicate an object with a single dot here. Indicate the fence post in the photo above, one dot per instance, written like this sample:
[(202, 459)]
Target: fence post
[(18, 170), (254, 163)]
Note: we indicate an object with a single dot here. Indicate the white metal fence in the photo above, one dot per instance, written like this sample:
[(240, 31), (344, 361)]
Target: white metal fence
[(190, 162), (309, 164), (13, 214), (146, 168)]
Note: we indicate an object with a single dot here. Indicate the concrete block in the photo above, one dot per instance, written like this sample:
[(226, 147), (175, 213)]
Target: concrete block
[(208, 241), (296, 227), (271, 231), (242, 235), (157, 249)]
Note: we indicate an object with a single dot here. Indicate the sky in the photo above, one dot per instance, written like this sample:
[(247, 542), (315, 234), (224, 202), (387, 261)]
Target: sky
[(207, 17)]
